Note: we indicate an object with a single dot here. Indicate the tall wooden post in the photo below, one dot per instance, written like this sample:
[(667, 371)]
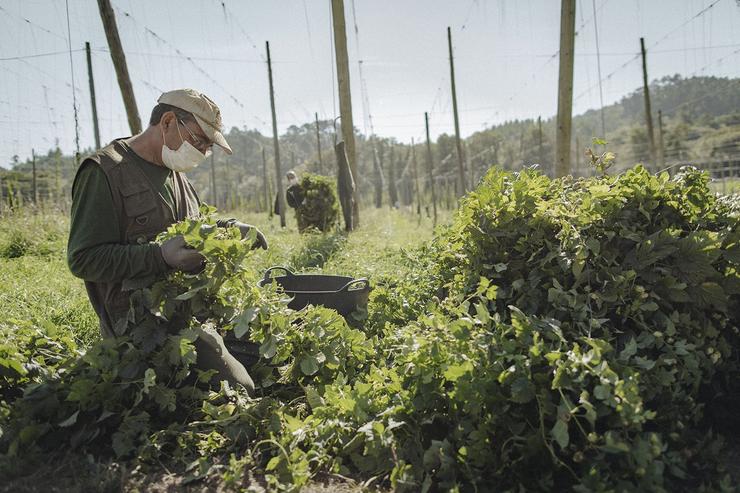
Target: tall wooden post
[(540, 156), (416, 177), (94, 105), (266, 184), (34, 182), (661, 145), (648, 112), (318, 145), (378, 178), (565, 87), (278, 173), (119, 62), (345, 185), (458, 144), (345, 99), (430, 166), (62, 199), (392, 190)]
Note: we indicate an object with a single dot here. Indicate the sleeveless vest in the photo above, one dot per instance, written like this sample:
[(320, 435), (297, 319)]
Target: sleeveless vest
[(142, 214)]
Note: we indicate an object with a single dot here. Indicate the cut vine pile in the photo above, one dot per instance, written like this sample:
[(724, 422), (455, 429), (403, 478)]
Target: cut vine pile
[(559, 335), (319, 209)]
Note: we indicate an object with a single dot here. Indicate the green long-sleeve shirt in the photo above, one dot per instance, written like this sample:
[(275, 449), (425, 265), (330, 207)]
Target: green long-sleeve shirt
[(95, 251)]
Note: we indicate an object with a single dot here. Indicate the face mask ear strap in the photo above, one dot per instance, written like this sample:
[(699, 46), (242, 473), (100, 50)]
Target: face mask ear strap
[(164, 139), (177, 126)]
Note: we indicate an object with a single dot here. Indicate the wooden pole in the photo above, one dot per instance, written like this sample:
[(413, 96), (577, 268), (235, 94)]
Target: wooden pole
[(392, 190), (94, 105), (278, 173), (648, 113), (318, 145), (541, 156), (463, 188), (661, 146), (416, 177), (565, 87), (345, 99), (430, 166), (34, 182), (213, 180), (119, 62), (378, 177), (345, 185), (57, 176), (266, 182)]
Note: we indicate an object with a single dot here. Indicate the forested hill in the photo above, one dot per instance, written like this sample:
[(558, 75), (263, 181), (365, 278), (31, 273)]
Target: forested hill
[(689, 99), (701, 120)]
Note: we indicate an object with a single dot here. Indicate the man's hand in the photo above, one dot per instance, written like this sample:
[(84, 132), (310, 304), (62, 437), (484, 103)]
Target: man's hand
[(181, 256), (259, 242)]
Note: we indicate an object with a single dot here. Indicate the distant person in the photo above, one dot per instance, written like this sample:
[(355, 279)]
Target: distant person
[(130, 191), (294, 194)]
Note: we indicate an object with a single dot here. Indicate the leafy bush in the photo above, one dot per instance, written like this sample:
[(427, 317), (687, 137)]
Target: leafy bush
[(637, 275), (319, 209)]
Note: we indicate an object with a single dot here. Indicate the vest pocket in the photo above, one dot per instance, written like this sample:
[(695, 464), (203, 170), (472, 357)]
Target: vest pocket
[(142, 212)]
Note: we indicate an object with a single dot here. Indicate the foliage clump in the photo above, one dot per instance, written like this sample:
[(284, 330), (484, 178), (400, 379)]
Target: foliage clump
[(319, 209), (622, 295)]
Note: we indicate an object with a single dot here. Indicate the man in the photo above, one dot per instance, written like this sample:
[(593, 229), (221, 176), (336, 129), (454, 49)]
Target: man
[(132, 190), (293, 195)]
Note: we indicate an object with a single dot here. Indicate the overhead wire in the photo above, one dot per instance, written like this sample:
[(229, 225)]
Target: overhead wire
[(190, 60), (33, 24), (638, 54)]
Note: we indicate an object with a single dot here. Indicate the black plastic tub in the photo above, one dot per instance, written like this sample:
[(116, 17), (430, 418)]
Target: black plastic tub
[(344, 294)]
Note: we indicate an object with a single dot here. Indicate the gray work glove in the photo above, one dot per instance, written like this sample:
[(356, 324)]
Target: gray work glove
[(259, 242), (181, 256)]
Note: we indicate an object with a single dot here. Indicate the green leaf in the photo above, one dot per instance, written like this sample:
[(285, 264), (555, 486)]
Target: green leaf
[(70, 421), (630, 349), (269, 347), (454, 372), (522, 390), (560, 433), (602, 392), (650, 306), (314, 399), (150, 379), (243, 321), (309, 365)]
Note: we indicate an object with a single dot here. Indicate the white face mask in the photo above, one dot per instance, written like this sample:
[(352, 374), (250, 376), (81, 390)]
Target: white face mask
[(292, 181), (185, 158)]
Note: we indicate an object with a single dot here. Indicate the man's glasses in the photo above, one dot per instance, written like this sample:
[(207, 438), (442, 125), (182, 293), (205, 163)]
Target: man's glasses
[(198, 143)]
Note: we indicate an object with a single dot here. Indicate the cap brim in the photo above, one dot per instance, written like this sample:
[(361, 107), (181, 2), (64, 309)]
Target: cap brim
[(213, 134)]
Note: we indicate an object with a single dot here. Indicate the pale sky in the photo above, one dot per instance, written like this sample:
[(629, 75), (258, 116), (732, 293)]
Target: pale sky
[(505, 60)]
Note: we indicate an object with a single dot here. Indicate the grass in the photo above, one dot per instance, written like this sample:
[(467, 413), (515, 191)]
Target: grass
[(36, 285)]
